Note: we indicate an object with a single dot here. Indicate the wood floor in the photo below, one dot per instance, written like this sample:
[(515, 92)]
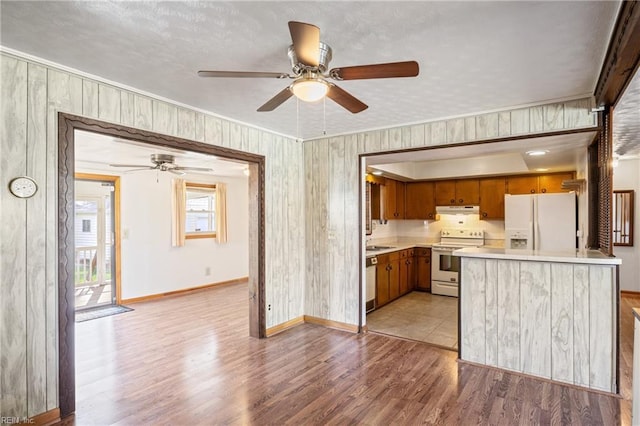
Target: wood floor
[(189, 360)]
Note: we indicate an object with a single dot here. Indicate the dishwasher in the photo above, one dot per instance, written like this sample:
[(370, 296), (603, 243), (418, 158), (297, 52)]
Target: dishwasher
[(371, 283)]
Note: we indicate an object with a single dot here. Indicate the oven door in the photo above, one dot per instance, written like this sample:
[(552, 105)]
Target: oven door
[(445, 266)]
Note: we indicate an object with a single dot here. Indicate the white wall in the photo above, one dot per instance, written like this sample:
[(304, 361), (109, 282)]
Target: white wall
[(150, 265), (627, 176)]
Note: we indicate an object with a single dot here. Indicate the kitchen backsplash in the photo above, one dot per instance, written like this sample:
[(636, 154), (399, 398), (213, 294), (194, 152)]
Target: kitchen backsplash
[(430, 230)]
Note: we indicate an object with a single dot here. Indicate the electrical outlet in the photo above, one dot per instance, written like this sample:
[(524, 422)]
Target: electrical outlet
[(207, 270)]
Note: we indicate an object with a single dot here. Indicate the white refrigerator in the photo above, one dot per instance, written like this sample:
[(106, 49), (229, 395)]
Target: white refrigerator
[(540, 221)]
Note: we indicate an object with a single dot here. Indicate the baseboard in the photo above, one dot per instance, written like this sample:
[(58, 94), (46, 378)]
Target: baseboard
[(331, 324), (284, 326), (630, 293), (47, 418), (182, 291)]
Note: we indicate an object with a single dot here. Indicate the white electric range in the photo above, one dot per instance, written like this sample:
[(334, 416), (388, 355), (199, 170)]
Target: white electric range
[(444, 266)]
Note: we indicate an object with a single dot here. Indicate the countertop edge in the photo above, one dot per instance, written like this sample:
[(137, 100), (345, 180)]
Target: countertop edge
[(590, 257)]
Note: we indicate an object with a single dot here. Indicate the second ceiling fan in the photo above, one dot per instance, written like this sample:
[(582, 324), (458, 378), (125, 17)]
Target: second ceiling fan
[(309, 62)]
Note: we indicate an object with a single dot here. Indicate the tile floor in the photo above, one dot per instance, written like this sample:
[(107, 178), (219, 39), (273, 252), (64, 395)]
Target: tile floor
[(419, 316)]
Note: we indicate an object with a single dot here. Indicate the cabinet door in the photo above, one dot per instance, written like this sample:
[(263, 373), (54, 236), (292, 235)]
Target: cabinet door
[(553, 183), (390, 199), (419, 200), (411, 273), (400, 200), (424, 272), (492, 198), (522, 185), (445, 192), (404, 276), (467, 192), (382, 283), (394, 279)]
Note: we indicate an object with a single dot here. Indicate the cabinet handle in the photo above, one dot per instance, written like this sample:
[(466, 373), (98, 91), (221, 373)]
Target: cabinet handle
[(453, 201), (484, 214), (543, 190), (533, 191), (430, 215)]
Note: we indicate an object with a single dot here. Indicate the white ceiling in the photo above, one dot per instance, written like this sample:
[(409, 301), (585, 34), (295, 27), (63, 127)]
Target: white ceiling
[(473, 56), (95, 153)]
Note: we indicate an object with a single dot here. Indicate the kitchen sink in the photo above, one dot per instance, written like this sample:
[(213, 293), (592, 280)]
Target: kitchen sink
[(377, 248)]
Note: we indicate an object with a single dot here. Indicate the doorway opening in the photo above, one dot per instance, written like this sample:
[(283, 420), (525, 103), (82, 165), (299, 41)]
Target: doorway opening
[(68, 125), (96, 241)]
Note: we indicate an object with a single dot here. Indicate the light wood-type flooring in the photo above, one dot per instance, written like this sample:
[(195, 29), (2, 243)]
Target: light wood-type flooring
[(189, 360), (419, 316)]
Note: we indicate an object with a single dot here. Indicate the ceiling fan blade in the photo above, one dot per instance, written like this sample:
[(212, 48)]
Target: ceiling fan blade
[(389, 70), (138, 170), (179, 173), (345, 99), (277, 100), (242, 74), (202, 169), (306, 42), (131, 165)]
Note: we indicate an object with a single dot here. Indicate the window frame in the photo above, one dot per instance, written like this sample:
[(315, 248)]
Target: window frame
[(197, 235)]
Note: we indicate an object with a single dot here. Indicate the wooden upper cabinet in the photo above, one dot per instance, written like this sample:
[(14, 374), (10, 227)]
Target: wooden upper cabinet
[(457, 192), (445, 192), (492, 198), (420, 201), (522, 185), (467, 192), (394, 199), (553, 183), (537, 184)]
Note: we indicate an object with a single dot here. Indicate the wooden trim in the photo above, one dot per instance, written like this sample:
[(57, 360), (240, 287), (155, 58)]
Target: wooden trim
[(67, 124), (623, 56), (331, 324), (116, 223), (199, 235), (183, 291), (543, 379), (285, 326), (44, 419), (200, 185), (630, 293)]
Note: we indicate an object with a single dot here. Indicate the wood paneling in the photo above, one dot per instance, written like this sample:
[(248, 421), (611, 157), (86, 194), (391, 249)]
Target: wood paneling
[(109, 104), (551, 320)]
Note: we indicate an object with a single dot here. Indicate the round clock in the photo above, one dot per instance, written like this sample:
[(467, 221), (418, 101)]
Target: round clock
[(23, 187)]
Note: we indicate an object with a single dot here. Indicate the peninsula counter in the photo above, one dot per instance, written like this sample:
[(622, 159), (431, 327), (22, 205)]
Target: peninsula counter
[(552, 315)]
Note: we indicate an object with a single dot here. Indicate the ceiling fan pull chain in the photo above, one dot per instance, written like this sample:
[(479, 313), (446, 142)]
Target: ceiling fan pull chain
[(324, 116)]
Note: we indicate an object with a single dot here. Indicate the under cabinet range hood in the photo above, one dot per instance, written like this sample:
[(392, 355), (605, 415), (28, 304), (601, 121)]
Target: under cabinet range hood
[(458, 209)]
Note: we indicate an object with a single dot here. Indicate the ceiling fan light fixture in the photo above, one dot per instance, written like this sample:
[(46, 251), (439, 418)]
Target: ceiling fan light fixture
[(310, 90)]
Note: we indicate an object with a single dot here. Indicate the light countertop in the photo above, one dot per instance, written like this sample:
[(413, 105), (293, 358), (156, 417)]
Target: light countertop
[(592, 257)]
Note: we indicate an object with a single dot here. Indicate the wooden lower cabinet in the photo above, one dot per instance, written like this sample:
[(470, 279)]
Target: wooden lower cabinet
[(407, 272), (423, 269), (396, 275)]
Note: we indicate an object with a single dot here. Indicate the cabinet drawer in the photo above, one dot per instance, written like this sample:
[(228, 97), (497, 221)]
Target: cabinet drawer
[(394, 256), (423, 251)]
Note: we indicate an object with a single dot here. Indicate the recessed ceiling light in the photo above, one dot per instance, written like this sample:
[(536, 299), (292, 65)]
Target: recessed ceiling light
[(537, 152), (377, 173), (542, 170)]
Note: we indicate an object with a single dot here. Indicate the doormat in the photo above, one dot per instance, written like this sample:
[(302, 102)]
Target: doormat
[(106, 311)]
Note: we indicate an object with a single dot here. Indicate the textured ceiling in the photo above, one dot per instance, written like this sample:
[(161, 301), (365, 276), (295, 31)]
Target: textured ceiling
[(473, 56), (626, 121)]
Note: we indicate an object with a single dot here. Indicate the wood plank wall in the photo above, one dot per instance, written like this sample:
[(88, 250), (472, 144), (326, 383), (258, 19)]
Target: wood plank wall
[(541, 318), (31, 97), (332, 185)]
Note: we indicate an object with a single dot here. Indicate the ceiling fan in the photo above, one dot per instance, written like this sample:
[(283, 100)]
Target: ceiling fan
[(163, 163), (309, 62)]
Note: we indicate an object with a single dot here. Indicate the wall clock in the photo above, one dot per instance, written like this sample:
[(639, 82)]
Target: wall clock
[(23, 187)]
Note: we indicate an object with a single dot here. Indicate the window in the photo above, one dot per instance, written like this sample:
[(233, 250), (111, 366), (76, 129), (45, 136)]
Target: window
[(200, 218), (623, 218), (86, 225)]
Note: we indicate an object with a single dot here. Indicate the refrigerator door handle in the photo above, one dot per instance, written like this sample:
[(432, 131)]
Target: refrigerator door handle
[(536, 224)]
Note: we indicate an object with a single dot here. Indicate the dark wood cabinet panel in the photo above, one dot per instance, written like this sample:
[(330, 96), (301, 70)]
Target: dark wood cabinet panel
[(553, 183), (423, 270), (382, 281), (420, 201), (492, 198), (394, 280), (522, 185), (394, 199), (467, 192), (445, 192)]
